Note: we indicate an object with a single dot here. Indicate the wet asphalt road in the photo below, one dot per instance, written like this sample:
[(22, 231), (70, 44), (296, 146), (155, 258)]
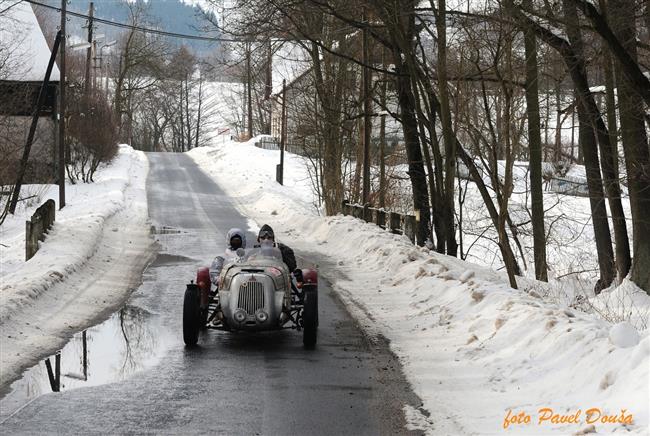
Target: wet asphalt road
[(232, 383)]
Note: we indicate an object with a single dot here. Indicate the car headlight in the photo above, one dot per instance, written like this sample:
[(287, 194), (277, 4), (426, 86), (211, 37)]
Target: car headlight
[(261, 315), (239, 315)]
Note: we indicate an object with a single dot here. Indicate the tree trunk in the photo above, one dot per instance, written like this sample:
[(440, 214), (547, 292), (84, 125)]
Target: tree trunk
[(535, 147), (447, 207), (587, 142), (635, 144), (330, 102), (413, 150), (382, 144), (572, 54)]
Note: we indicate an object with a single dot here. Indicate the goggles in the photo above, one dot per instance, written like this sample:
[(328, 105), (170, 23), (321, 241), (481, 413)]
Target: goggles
[(266, 235)]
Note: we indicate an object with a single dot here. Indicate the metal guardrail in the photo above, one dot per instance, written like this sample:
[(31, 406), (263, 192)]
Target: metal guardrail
[(394, 222), (268, 143), (36, 228), (569, 186)]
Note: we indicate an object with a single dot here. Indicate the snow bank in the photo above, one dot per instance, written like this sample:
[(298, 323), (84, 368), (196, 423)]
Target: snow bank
[(91, 258), (476, 351)]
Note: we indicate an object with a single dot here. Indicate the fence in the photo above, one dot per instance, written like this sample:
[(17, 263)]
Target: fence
[(37, 226), (569, 186), (267, 143), (394, 222), (271, 143)]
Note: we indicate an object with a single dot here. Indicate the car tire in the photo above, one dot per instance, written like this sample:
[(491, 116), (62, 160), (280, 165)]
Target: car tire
[(191, 315), (310, 316)]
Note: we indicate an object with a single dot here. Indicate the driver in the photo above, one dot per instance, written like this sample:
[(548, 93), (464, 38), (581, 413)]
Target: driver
[(266, 234), (235, 238)]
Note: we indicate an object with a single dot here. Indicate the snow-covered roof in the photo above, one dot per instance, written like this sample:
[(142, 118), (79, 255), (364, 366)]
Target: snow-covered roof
[(24, 46), (290, 60)]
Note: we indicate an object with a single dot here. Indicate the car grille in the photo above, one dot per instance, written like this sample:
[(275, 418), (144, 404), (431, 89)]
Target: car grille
[(251, 297)]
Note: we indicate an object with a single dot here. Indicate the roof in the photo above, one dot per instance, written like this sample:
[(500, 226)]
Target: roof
[(23, 46), (290, 61)]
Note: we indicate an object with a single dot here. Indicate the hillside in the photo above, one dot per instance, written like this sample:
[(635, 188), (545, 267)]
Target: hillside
[(171, 15)]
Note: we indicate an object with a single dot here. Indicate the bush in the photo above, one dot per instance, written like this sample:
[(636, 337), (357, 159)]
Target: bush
[(91, 135)]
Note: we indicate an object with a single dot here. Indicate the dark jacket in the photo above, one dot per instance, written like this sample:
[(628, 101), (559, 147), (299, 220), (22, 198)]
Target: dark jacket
[(287, 256)]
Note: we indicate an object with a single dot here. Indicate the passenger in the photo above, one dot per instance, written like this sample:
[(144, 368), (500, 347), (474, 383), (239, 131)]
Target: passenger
[(266, 234), (235, 239)]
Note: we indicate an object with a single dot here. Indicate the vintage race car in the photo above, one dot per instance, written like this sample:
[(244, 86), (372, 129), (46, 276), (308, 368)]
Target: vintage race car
[(255, 292)]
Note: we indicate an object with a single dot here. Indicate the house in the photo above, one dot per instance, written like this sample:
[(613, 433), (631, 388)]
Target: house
[(291, 65), (24, 56)]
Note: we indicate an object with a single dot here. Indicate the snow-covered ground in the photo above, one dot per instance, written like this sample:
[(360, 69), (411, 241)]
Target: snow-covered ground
[(479, 354), (100, 238)]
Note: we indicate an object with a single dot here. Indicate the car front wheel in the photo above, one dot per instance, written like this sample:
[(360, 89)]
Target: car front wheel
[(191, 315), (310, 316)]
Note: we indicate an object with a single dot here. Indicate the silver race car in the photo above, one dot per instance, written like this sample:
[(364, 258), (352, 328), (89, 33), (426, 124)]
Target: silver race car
[(255, 292)]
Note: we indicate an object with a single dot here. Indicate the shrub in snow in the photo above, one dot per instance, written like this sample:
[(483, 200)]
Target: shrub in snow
[(624, 335)]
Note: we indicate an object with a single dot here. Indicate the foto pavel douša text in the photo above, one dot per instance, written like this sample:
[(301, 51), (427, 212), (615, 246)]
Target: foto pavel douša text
[(546, 416)]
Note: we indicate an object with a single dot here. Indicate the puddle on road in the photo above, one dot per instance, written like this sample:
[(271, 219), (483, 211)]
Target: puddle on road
[(165, 230), (128, 342), (165, 259)]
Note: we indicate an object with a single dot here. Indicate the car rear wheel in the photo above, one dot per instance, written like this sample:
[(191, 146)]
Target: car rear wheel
[(191, 315), (310, 316)]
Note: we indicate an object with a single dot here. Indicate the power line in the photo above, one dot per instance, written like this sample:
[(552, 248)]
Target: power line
[(139, 28)]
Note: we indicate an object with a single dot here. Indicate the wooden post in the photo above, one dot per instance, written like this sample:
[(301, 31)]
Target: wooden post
[(57, 371), (380, 218), (29, 252), (85, 354), (283, 131), (249, 85), (409, 227), (89, 51), (367, 104), (52, 212), (367, 217), (394, 222), (64, 40), (50, 374)]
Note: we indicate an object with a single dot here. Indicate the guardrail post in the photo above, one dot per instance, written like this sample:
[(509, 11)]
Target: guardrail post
[(39, 224), (367, 213), (394, 222), (409, 227), (40, 228), (345, 207), (51, 213), (380, 218), (29, 250)]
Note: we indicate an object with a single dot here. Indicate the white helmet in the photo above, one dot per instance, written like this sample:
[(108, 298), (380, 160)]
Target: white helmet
[(235, 232)]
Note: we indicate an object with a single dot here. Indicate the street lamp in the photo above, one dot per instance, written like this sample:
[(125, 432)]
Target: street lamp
[(101, 59)]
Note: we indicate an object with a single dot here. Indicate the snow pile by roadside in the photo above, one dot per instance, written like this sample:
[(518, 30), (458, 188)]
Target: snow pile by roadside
[(475, 351), (87, 264), (73, 238)]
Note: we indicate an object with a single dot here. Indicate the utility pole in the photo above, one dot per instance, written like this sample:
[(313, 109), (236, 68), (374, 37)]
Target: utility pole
[(283, 133), (89, 51), (248, 85), (64, 40), (367, 107)]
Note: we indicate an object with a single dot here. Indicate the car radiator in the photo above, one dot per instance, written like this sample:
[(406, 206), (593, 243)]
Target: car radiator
[(251, 297)]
